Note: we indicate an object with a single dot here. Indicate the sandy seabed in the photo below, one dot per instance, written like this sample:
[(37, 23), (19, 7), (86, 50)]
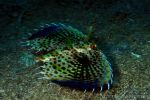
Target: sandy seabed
[(124, 38)]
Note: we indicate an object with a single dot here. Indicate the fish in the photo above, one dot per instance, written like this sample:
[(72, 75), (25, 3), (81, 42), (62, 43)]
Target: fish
[(69, 59)]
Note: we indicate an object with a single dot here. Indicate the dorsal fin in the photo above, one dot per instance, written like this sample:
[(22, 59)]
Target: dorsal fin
[(55, 30), (51, 29)]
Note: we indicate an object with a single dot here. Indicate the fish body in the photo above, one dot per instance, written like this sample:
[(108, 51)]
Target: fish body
[(68, 58)]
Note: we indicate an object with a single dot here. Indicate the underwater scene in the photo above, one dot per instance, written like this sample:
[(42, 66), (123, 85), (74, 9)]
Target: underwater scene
[(74, 50)]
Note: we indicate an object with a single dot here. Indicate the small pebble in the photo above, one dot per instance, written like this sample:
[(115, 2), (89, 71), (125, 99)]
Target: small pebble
[(135, 55)]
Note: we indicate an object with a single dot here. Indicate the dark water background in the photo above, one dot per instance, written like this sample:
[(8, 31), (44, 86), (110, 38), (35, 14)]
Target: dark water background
[(121, 30)]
